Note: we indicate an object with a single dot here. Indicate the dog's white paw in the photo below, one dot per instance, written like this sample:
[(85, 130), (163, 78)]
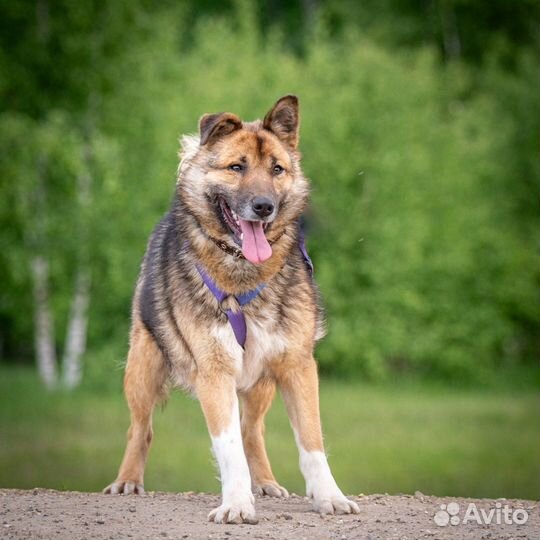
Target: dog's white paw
[(321, 487), (127, 487), (273, 489), (335, 503), (235, 510)]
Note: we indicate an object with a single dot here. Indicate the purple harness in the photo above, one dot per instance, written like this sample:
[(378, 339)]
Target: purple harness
[(237, 320)]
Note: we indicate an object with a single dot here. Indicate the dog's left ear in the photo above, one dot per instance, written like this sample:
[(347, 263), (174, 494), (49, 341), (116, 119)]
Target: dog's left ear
[(284, 120), (214, 126)]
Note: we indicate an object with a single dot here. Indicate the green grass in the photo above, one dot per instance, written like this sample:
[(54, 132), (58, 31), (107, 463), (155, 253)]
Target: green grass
[(392, 438)]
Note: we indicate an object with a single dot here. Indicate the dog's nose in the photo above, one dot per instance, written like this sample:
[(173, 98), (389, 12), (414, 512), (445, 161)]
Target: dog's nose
[(262, 206)]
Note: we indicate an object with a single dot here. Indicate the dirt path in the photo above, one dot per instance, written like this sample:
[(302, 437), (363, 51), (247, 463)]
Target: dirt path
[(48, 515)]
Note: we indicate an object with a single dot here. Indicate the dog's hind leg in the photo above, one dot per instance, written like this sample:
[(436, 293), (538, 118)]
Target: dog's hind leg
[(144, 384), (255, 405)]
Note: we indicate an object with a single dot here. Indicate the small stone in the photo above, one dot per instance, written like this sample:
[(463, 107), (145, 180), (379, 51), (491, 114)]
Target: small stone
[(132, 509), (100, 522)]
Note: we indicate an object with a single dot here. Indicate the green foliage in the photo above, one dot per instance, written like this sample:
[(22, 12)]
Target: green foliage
[(425, 182), (27, 148)]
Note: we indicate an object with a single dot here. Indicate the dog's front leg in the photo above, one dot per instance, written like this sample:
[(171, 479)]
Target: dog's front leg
[(299, 385), (216, 391)]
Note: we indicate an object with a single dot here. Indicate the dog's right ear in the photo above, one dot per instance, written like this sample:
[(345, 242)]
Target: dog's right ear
[(214, 126)]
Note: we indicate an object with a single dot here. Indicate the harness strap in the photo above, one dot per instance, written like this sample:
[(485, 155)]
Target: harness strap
[(237, 319), (303, 251)]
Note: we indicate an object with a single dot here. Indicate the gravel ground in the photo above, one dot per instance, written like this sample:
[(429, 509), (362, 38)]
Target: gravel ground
[(46, 514)]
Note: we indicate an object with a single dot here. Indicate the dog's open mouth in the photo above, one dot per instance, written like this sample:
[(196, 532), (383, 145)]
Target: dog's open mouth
[(249, 235)]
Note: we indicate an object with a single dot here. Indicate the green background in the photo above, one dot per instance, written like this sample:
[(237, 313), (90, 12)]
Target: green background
[(420, 133)]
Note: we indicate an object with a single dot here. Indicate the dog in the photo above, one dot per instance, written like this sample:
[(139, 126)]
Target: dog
[(226, 307)]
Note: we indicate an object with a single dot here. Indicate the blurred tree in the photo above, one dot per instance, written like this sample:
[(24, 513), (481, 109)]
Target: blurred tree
[(60, 56), (425, 173)]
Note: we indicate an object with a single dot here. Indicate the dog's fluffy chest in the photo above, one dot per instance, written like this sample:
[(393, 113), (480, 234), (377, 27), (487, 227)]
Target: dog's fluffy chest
[(264, 342)]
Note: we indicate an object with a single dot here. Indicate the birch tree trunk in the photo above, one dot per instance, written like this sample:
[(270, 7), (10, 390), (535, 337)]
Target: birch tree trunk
[(76, 331), (309, 11), (75, 345), (450, 33), (44, 341), (43, 323)]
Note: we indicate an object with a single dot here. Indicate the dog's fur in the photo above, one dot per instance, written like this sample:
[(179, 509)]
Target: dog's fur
[(180, 334)]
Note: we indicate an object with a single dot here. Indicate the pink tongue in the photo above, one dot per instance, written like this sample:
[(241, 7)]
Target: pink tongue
[(255, 246)]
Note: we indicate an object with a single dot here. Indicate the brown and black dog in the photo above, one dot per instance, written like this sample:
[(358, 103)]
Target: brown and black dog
[(225, 306)]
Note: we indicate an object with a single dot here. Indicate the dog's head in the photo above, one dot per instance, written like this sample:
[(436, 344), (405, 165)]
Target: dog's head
[(242, 180)]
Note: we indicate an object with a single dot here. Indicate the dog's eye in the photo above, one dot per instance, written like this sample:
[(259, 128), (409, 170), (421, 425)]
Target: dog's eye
[(236, 167), (278, 169)]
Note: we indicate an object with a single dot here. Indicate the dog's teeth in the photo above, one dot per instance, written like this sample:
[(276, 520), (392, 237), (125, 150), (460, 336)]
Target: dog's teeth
[(241, 236)]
